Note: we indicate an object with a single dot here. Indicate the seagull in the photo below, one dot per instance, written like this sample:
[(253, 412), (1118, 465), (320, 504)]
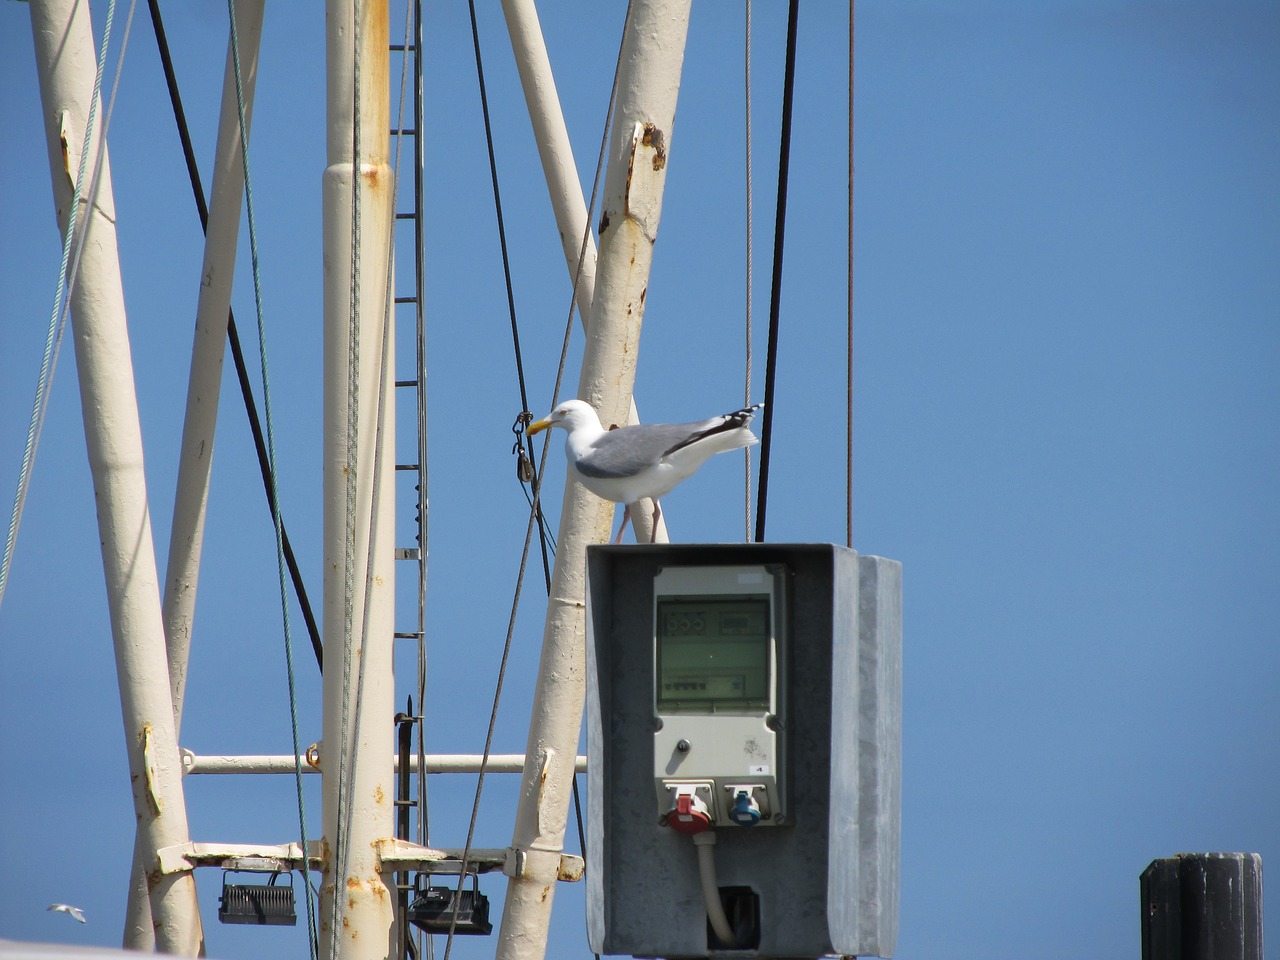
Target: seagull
[(75, 912), (645, 460)]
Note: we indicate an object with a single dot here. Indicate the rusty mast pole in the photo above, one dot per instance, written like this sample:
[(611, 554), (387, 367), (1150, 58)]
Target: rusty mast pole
[(359, 788)]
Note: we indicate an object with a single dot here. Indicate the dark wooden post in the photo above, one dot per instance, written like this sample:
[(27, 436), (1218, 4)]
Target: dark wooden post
[(1203, 906)]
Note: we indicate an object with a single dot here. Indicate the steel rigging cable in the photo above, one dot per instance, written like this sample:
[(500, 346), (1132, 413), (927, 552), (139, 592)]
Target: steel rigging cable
[(848, 516), (771, 360)]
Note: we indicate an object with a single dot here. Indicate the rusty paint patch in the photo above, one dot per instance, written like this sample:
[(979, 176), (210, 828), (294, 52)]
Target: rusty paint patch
[(631, 157), (353, 882), (149, 768), (378, 796), (571, 868), (654, 138), (546, 892), (604, 222), (64, 137)]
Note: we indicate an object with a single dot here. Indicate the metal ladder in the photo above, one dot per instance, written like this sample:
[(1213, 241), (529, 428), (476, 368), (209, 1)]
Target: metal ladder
[(416, 554)]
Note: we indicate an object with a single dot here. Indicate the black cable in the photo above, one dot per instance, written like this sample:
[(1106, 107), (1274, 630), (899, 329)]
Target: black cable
[(171, 80), (771, 360), (242, 371), (848, 418), (506, 261), (577, 806)]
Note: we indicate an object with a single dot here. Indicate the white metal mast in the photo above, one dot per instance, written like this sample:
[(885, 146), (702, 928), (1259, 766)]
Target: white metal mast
[(359, 787), (648, 85), (65, 62)]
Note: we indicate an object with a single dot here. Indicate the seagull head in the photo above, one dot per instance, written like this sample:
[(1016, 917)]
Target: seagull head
[(571, 415)]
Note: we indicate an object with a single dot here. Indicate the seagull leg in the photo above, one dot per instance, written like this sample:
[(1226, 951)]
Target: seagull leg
[(657, 515), (626, 515)]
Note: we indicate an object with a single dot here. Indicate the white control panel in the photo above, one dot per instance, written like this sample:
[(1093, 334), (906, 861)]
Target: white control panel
[(719, 658)]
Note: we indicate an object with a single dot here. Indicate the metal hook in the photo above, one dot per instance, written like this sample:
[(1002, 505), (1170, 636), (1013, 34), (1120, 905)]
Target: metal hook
[(524, 468)]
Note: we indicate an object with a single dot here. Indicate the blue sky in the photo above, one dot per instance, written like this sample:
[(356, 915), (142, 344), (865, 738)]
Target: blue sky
[(1068, 326)]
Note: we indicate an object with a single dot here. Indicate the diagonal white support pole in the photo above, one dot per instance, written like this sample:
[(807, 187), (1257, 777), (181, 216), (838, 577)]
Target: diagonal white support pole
[(226, 200), (649, 82), (113, 436), (554, 148), (226, 204)]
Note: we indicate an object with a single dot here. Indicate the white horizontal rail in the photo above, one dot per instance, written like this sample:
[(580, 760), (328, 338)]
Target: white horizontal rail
[(286, 763), (392, 853)]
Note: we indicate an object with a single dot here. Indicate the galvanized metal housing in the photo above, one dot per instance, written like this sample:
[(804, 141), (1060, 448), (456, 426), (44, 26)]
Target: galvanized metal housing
[(826, 884)]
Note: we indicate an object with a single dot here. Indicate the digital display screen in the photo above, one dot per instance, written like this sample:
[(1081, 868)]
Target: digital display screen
[(713, 654)]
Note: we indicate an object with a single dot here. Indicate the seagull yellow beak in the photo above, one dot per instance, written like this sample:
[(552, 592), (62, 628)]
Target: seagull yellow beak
[(539, 425)]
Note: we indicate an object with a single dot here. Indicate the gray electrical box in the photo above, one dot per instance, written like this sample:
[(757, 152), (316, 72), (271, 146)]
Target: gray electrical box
[(753, 690)]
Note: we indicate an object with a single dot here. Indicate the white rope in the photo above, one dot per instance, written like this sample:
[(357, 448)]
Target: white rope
[(66, 280)]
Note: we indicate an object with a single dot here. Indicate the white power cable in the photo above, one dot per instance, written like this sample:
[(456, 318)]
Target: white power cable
[(706, 844)]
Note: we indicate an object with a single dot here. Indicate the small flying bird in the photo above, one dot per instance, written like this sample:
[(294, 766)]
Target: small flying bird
[(628, 464), (75, 912)]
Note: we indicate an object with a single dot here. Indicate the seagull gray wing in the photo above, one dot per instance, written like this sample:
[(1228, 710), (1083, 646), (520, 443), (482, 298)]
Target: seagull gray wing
[(627, 451)]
